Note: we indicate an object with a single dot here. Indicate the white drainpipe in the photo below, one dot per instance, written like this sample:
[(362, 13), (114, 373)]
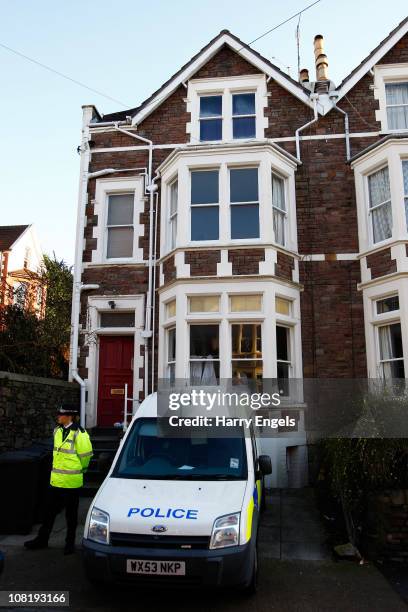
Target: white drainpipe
[(151, 188), (74, 347), (333, 97), (313, 97)]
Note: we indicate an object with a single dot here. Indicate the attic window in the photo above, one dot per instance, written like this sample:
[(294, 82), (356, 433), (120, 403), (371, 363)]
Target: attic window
[(396, 95)]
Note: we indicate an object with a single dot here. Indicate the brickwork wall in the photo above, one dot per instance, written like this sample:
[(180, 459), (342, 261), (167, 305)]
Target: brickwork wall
[(169, 270), (245, 261), (380, 263), (333, 342), (284, 266), (202, 263)]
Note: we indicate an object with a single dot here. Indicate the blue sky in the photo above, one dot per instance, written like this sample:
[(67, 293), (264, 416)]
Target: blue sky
[(127, 50)]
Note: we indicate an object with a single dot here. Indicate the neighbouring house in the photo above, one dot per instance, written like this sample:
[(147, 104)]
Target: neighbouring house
[(20, 269), (241, 224)]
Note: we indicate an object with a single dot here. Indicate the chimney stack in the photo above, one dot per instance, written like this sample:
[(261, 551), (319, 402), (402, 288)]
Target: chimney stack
[(320, 59), (304, 75)]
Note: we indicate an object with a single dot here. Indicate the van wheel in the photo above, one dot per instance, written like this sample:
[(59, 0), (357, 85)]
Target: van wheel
[(252, 587)]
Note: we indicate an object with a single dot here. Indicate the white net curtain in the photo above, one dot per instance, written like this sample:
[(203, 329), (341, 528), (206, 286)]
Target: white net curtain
[(397, 105), (380, 204)]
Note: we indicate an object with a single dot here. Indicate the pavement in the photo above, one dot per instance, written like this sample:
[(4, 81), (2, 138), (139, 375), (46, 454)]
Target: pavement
[(297, 572)]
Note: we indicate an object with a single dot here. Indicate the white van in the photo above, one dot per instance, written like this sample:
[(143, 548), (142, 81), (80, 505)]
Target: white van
[(177, 511)]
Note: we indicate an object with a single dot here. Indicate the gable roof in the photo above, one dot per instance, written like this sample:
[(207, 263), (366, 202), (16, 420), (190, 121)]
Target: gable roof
[(225, 37), (9, 234), (373, 58)]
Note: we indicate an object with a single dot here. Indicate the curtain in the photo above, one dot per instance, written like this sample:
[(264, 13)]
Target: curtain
[(405, 174), (279, 226), (379, 191), (397, 94), (382, 222), (386, 350)]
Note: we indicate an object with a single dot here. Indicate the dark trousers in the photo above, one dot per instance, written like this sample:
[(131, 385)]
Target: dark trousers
[(58, 499)]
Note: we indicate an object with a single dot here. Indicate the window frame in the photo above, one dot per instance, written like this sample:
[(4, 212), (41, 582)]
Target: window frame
[(371, 209), (202, 241), (248, 203), (172, 217), (202, 321), (381, 362), (227, 87), (387, 106), (384, 74), (245, 321), (212, 118), (129, 225), (170, 363), (247, 116), (276, 209)]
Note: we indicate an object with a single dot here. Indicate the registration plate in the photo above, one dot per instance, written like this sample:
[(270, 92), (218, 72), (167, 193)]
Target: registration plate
[(157, 568)]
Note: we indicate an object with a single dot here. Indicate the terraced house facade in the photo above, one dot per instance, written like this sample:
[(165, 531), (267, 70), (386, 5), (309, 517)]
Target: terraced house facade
[(241, 224)]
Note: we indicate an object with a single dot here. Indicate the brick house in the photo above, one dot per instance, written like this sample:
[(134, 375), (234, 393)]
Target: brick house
[(20, 269), (267, 217)]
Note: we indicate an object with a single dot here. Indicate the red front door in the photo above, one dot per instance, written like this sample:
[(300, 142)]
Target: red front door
[(115, 370)]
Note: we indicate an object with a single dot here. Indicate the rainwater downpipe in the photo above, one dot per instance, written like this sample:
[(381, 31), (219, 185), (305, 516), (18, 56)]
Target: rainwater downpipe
[(151, 188), (154, 284), (314, 98), (333, 97)]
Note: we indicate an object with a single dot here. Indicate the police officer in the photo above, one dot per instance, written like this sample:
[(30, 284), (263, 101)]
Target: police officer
[(71, 456)]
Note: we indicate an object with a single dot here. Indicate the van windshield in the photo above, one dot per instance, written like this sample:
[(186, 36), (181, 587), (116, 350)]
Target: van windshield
[(147, 455)]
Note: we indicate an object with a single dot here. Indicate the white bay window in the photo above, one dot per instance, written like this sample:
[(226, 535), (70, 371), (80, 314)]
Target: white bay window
[(228, 197), (231, 335)]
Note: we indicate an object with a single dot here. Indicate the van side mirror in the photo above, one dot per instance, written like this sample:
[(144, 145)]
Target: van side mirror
[(105, 462), (265, 464)]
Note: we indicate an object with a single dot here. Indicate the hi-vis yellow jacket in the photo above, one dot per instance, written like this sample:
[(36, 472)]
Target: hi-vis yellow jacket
[(71, 457)]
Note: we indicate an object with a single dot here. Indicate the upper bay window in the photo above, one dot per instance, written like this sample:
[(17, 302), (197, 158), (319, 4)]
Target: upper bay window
[(120, 226), (381, 180), (396, 96), (205, 205), (244, 203), (228, 197), (380, 205)]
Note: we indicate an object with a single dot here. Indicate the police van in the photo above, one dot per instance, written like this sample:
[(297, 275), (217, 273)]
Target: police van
[(177, 511)]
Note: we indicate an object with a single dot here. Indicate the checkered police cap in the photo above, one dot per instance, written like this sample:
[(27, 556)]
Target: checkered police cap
[(68, 410)]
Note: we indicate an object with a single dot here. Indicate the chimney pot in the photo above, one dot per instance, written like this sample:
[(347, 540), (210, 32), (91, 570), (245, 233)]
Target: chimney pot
[(304, 75), (320, 59)]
